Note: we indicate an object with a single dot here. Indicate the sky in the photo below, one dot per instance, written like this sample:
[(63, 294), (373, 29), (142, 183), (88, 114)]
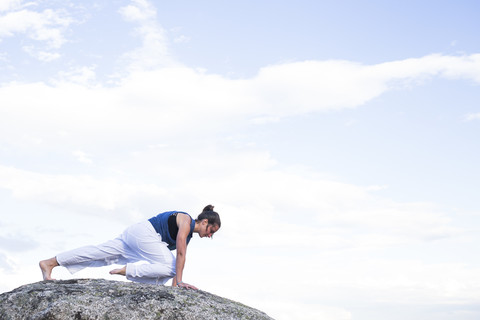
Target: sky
[(338, 140)]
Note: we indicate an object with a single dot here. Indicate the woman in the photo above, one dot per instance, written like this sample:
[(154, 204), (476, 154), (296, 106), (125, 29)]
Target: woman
[(149, 241)]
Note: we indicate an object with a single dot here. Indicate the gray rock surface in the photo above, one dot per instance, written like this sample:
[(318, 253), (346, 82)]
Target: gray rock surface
[(88, 299)]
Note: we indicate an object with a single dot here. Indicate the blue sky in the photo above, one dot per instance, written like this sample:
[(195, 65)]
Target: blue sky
[(337, 139)]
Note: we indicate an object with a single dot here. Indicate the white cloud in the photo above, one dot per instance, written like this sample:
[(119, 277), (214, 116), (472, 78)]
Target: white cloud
[(181, 39), (84, 76), (347, 215), (17, 243), (82, 157), (152, 103), (7, 265), (41, 55), (139, 10), (472, 116), (153, 108), (107, 195), (154, 51), (301, 87), (47, 26), (435, 65), (250, 188), (6, 5)]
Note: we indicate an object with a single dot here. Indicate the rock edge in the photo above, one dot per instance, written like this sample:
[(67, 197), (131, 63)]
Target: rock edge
[(99, 299)]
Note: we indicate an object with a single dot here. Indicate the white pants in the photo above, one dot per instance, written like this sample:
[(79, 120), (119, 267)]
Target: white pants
[(140, 242)]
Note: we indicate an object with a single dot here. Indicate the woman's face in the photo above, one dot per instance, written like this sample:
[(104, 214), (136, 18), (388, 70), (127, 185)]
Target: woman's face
[(208, 230)]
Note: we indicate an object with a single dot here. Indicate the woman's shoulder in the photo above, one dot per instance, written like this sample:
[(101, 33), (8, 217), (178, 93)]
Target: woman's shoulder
[(183, 216), (168, 214)]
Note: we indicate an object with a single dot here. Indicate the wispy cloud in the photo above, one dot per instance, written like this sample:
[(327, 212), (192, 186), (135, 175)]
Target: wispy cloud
[(154, 51), (471, 117), (6, 264), (47, 27), (82, 157), (41, 55), (84, 76), (17, 243), (181, 39)]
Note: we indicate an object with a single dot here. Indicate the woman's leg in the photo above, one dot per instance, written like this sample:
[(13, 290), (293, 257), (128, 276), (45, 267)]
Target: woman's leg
[(110, 252), (146, 245)]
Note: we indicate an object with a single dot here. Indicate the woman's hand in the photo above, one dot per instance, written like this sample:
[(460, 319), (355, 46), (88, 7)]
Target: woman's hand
[(186, 286)]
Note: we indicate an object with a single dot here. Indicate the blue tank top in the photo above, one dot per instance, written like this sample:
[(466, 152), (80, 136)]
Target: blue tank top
[(160, 224)]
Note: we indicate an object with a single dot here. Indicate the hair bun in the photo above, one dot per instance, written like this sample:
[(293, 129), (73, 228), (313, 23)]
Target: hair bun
[(208, 208), (212, 216)]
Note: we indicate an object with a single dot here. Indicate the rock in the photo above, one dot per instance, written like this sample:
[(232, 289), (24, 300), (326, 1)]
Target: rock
[(89, 299)]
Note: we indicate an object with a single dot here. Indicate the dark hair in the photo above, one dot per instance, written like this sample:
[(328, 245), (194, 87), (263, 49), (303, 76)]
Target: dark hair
[(210, 215)]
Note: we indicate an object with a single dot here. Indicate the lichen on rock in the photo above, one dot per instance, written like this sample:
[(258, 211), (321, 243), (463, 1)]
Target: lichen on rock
[(98, 299)]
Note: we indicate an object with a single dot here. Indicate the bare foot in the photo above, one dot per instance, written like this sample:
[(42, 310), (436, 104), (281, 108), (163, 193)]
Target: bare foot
[(121, 271), (47, 266)]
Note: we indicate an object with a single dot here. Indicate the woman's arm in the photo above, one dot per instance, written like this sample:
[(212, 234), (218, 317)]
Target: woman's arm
[(183, 223)]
